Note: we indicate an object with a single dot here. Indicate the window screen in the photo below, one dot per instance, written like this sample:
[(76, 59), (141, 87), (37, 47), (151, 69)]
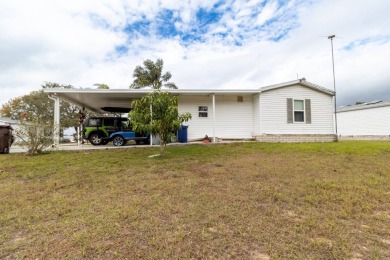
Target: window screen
[(299, 111)]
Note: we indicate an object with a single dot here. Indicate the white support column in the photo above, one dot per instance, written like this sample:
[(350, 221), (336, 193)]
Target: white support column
[(151, 119), (78, 135), (56, 126), (214, 118), (260, 117)]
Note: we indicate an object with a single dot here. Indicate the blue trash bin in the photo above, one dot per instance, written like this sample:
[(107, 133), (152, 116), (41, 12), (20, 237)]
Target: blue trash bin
[(182, 135)]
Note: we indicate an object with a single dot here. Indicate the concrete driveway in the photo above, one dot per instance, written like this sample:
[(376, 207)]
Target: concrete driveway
[(75, 147)]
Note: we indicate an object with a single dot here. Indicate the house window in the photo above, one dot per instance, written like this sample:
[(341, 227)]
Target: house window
[(299, 111), (203, 111)]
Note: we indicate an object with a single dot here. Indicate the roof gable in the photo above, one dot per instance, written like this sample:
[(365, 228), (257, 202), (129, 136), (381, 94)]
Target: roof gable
[(301, 82)]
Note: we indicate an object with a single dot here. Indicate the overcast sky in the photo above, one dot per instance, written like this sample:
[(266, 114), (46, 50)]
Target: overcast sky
[(205, 44)]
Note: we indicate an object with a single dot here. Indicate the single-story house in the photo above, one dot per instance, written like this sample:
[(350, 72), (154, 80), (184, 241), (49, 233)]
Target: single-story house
[(8, 121), (295, 111), (366, 121)]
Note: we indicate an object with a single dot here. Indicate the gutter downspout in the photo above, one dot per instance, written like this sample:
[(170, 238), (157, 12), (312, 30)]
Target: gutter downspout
[(56, 127), (214, 118)]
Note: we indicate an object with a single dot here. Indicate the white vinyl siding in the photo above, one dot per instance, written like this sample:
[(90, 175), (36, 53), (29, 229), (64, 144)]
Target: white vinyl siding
[(197, 127), (273, 111), (233, 119), (256, 114), (370, 121)]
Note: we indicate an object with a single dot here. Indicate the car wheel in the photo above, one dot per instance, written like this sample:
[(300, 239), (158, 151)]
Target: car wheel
[(118, 140), (95, 139), (104, 142)]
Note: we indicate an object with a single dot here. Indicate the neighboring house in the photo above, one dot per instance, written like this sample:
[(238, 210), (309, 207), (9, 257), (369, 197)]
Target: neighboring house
[(7, 121), (365, 121), (295, 111)]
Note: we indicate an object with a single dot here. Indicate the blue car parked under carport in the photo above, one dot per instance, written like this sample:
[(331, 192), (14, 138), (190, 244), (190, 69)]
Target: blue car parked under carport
[(121, 138)]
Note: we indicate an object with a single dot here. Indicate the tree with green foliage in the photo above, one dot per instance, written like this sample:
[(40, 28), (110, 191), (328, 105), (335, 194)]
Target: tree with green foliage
[(158, 114), (151, 76), (101, 86), (37, 106)]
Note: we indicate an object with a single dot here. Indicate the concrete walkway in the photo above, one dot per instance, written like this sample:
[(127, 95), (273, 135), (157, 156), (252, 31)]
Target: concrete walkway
[(75, 147)]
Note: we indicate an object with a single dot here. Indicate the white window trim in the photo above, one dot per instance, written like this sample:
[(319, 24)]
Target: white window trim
[(203, 117), (304, 111)]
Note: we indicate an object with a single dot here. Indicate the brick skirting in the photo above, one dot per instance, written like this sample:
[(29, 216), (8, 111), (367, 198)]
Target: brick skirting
[(295, 138)]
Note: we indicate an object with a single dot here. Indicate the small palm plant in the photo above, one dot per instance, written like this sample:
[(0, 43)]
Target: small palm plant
[(151, 76)]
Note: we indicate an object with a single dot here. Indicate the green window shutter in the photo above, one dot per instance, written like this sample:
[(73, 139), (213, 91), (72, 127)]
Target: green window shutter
[(308, 111), (290, 111)]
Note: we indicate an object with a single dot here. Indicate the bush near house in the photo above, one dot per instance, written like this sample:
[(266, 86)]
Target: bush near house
[(244, 201), (36, 136)]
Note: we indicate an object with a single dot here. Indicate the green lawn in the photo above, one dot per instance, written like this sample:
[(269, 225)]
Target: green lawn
[(243, 200)]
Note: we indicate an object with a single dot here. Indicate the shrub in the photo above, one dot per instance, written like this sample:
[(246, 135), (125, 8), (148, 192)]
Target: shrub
[(35, 135)]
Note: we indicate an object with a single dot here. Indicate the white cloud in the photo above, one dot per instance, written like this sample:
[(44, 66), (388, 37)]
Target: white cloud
[(267, 12), (73, 42)]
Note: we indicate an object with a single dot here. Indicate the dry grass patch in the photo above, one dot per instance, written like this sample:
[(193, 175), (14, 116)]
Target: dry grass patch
[(249, 201)]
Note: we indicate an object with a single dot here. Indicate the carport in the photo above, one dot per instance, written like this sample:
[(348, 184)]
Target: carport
[(98, 100)]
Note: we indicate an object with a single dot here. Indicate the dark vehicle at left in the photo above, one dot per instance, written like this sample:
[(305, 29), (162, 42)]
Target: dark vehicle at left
[(6, 138)]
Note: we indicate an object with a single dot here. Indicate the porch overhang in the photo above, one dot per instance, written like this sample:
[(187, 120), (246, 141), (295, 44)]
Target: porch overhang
[(97, 100)]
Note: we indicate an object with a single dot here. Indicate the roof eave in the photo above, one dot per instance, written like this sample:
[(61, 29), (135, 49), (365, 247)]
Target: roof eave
[(146, 91)]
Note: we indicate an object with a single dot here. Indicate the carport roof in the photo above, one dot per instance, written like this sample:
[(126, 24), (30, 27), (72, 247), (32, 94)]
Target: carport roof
[(96, 99)]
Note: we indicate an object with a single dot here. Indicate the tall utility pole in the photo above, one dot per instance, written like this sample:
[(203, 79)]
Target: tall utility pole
[(334, 85)]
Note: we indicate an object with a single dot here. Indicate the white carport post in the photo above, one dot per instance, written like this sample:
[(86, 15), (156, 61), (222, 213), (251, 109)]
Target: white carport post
[(151, 119), (214, 118), (56, 127)]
